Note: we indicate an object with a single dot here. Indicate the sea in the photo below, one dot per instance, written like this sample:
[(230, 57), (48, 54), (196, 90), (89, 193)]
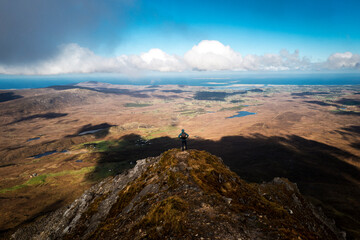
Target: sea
[(23, 82)]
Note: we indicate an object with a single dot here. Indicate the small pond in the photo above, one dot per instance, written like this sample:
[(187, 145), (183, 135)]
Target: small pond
[(242, 114), (44, 154), (48, 153), (32, 139), (91, 131)]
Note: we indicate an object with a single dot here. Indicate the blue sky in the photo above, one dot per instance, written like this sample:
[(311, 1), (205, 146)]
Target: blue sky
[(319, 28), (130, 36)]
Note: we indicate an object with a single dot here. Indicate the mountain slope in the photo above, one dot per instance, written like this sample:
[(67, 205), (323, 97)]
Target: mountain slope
[(185, 195), (44, 100)]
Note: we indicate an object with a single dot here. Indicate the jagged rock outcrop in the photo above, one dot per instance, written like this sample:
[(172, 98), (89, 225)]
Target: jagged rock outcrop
[(185, 195)]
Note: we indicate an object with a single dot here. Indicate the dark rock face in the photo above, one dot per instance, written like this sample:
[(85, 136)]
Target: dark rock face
[(185, 195)]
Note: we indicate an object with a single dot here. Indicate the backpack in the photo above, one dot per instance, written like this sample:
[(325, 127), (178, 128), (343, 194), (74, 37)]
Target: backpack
[(183, 136)]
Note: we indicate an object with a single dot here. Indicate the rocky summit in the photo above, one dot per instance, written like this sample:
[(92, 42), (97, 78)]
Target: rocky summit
[(185, 195)]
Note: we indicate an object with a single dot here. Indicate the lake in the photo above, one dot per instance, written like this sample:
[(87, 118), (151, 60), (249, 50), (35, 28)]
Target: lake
[(242, 114)]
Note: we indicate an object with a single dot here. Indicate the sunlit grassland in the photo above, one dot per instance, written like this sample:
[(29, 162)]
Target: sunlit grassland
[(152, 133), (94, 174), (103, 145), (41, 179)]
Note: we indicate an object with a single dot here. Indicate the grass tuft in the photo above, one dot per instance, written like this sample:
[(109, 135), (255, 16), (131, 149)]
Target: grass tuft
[(168, 214)]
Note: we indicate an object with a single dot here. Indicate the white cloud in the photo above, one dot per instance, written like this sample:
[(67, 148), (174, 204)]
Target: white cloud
[(75, 59), (212, 56), (208, 55), (266, 62), (71, 59), (276, 62), (157, 60), (346, 60)]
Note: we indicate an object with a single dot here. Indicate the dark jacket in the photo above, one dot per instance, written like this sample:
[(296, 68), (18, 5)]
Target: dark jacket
[(183, 139)]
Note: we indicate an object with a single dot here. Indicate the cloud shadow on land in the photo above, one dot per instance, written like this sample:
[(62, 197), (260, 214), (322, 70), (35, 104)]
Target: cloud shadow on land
[(349, 102), (352, 113), (321, 103), (309, 93), (317, 168), (215, 96), (352, 129), (116, 91), (356, 145), (49, 115), (99, 130), (8, 96)]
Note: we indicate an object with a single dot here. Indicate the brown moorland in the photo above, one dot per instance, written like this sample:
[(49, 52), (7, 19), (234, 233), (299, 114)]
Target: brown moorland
[(57, 142)]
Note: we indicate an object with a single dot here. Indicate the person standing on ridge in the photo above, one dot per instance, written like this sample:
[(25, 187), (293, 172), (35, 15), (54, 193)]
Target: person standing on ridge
[(183, 136)]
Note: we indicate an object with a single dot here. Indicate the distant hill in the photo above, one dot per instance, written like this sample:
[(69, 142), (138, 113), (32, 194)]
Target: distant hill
[(43, 101), (185, 195)]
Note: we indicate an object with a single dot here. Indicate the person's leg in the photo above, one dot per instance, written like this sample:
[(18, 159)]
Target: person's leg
[(185, 145), (182, 145)]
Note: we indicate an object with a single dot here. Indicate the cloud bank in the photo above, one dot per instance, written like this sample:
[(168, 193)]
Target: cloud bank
[(208, 55), (32, 30), (343, 61)]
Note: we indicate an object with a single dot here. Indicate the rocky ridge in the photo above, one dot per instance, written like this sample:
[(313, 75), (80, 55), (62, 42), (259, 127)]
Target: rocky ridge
[(185, 195)]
